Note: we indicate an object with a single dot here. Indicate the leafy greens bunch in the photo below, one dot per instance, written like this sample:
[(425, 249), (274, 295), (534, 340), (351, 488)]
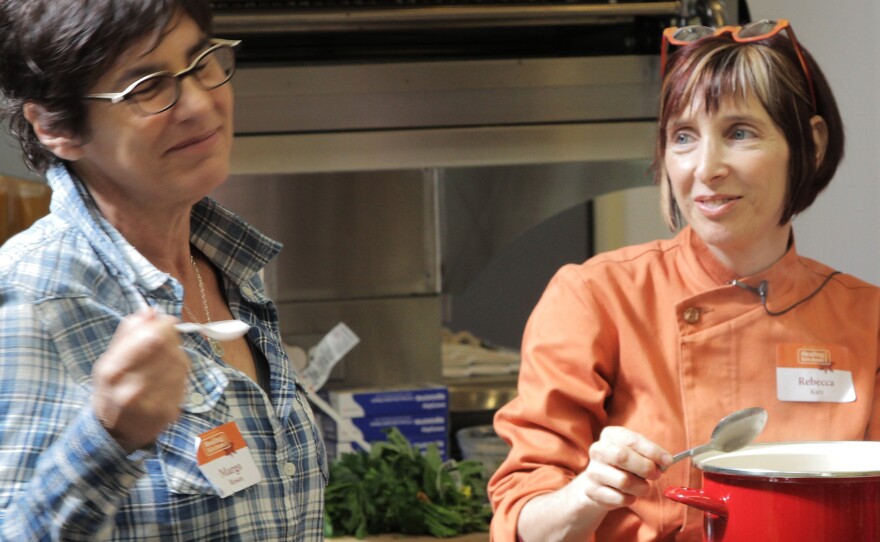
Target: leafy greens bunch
[(397, 489)]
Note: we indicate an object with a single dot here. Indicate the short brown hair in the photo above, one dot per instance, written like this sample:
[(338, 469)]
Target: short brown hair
[(717, 68), (53, 51)]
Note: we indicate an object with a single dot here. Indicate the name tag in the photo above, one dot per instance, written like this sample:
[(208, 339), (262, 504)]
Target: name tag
[(813, 374), (225, 460)]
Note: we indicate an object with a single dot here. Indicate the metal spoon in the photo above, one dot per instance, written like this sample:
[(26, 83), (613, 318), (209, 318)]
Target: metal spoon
[(732, 433), (224, 330)]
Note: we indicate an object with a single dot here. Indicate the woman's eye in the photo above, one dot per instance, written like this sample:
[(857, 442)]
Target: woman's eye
[(682, 138), (740, 134), (201, 66), (147, 89)]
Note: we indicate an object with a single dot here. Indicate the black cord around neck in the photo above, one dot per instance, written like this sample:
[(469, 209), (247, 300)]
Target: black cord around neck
[(763, 291)]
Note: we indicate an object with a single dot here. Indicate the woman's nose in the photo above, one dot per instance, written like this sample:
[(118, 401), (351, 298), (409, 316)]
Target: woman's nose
[(193, 98), (711, 161)]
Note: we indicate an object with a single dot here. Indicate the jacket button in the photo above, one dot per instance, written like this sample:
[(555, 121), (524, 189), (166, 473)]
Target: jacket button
[(692, 315)]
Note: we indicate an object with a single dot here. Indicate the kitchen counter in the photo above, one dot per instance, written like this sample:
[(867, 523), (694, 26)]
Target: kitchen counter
[(472, 537)]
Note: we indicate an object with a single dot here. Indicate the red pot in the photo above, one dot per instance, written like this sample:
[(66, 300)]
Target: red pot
[(789, 492)]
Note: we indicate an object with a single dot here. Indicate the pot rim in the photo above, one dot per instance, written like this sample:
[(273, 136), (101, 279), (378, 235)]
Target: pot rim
[(736, 462)]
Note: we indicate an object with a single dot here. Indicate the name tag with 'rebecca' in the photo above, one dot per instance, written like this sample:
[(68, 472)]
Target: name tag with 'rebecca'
[(225, 459), (813, 374)]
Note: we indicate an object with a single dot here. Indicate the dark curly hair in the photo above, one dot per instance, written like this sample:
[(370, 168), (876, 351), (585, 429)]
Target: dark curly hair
[(716, 68), (53, 51)]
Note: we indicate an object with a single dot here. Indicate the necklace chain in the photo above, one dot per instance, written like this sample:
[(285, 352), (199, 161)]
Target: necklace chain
[(202, 293), (215, 345)]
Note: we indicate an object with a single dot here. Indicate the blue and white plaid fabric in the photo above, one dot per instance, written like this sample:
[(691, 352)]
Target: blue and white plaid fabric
[(65, 284)]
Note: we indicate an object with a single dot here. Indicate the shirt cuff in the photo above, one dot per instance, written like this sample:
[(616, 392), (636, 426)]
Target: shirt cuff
[(93, 464)]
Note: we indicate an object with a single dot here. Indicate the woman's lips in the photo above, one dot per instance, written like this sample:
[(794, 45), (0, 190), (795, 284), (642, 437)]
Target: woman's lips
[(196, 143), (715, 206)]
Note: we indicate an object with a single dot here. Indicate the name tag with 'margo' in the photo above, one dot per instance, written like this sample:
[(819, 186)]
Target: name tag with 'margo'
[(225, 459)]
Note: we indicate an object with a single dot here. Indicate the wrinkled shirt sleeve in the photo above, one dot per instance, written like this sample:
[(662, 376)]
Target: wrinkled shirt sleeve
[(568, 342), (62, 476)]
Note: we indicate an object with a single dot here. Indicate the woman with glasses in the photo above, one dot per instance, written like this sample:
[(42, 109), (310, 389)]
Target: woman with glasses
[(638, 353), (113, 425)]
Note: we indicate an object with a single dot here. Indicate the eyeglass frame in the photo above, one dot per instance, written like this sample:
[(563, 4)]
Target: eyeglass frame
[(734, 31), (217, 43)]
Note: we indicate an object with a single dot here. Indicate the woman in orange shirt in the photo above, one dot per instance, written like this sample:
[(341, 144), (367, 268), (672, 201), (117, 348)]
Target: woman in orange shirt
[(642, 350)]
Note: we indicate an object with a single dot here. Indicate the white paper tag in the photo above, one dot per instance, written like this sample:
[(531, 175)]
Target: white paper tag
[(225, 460), (326, 354), (814, 385)]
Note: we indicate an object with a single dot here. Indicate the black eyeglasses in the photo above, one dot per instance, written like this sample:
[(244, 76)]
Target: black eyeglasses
[(158, 92), (755, 31)]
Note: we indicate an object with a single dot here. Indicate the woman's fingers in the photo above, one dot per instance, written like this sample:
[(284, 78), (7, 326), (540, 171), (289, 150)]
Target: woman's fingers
[(621, 464), (140, 381), (630, 451)]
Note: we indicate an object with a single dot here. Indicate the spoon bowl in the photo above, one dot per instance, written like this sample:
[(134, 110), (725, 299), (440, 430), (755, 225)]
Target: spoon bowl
[(733, 432), (223, 330)]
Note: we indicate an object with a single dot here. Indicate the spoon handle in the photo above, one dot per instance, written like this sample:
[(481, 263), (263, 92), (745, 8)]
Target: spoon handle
[(187, 327), (691, 452)]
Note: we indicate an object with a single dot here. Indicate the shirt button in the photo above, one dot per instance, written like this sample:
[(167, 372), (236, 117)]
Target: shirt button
[(247, 291), (692, 315), (289, 469), (197, 399)]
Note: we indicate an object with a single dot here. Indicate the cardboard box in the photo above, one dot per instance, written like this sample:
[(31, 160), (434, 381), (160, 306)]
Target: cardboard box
[(413, 427), (371, 402), (419, 412)]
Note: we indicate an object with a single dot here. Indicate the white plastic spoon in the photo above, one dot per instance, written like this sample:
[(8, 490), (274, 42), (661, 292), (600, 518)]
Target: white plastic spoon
[(732, 433), (224, 330)]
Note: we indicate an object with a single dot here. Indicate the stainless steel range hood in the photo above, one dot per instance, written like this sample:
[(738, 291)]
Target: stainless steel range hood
[(393, 182), (363, 17)]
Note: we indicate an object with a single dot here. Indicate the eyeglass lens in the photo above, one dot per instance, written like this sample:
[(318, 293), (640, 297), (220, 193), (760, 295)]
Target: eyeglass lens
[(158, 93), (757, 28), (693, 33)]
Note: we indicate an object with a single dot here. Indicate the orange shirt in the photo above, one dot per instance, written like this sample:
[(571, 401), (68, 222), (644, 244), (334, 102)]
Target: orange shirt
[(654, 338)]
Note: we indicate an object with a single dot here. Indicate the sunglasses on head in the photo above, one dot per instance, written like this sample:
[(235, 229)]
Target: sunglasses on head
[(756, 31)]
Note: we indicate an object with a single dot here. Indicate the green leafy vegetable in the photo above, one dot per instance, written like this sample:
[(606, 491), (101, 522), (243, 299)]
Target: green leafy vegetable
[(396, 489)]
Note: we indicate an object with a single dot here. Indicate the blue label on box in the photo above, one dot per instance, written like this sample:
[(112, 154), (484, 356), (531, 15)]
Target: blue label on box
[(412, 427)]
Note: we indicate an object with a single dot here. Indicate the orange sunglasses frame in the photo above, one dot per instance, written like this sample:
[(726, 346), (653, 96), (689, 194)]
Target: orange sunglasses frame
[(734, 31)]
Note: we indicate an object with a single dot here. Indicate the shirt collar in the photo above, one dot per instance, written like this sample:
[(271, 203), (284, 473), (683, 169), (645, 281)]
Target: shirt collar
[(711, 272), (235, 247)]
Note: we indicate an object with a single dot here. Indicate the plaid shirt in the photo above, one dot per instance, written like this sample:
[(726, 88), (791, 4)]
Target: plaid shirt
[(65, 284)]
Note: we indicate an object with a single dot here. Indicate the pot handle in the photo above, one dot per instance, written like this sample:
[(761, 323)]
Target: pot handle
[(695, 498)]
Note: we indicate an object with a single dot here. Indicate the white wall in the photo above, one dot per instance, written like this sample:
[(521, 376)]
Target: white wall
[(842, 228)]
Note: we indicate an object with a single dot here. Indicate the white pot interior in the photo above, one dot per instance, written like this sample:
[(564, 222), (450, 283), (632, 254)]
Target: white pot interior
[(797, 459)]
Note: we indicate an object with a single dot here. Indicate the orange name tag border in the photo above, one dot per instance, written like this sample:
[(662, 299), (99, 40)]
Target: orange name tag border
[(220, 441), (812, 356)]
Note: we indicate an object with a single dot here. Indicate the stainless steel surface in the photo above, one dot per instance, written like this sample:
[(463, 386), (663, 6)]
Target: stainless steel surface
[(353, 235), (732, 433), (607, 145), (480, 394), (485, 209), (379, 178), (451, 94), (416, 17), (400, 337), (715, 13)]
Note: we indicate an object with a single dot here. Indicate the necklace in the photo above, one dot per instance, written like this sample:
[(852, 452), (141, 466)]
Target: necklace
[(216, 347)]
